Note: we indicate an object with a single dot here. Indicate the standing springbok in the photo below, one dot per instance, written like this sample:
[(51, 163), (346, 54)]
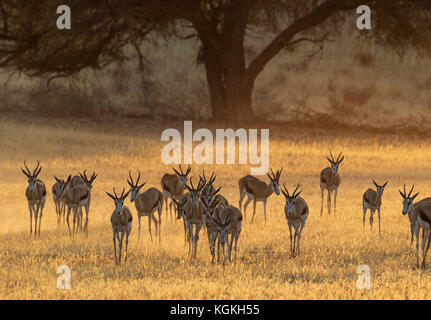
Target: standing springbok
[(146, 204), (121, 221), (89, 183), (209, 192), (59, 201), (173, 186), (296, 211), (330, 180), (229, 222), (194, 215), (211, 208), (413, 210), (76, 196), (258, 190), (179, 207), (372, 199), (36, 196)]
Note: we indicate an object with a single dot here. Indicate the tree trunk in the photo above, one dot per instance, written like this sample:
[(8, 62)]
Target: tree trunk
[(230, 92)]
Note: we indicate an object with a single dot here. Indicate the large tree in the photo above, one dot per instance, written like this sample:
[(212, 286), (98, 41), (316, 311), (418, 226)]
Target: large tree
[(31, 43)]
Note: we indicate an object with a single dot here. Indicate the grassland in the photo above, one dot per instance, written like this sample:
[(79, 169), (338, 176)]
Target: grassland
[(332, 246)]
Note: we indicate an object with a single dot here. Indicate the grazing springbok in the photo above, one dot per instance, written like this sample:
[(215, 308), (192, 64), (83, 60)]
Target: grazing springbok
[(121, 221), (76, 196), (372, 199), (36, 196), (59, 200), (173, 186), (194, 215), (413, 210), (211, 208), (330, 180), (296, 211), (179, 207), (146, 204), (258, 190), (229, 222)]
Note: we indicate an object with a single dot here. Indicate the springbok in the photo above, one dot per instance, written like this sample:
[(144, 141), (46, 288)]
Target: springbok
[(413, 211), (59, 201), (173, 186), (181, 214), (229, 222), (209, 192), (121, 221), (258, 190), (194, 215), (36, 196), (89, 182), (296, 211), (76, 196), (211, 208), (146, 204), (330, 180), (372, 199)]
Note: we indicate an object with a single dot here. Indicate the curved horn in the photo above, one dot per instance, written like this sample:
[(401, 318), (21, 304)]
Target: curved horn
[(131, 183), (411, 191), (285, 189), (139, 177), (294, 192), (375, 183), (37, 166), (115, 193), (189, 168), (332, 156)]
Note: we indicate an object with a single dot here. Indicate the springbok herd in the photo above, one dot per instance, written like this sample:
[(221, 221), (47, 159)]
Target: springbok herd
[(203, 205)]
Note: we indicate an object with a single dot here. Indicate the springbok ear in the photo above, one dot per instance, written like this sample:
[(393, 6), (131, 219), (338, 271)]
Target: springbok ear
[(402, 195), (341, 160), (215, 192), (176, 171), (284, 194), (68, 178), (412, 198), (142, 184), (330, 160), (375, 183), (56, 179), (385, 184), (110, 195), (130, 184), (26, 174)]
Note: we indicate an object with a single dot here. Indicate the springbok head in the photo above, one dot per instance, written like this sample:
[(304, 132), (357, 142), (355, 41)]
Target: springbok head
[(222, 229), (290, 198), (209, 185), (195, 192), (407, 200), (335, 163), (380, 189), (183, 175), (119, 200), (275, 181), (32, 177), (180, 206), (62, 185), (88, 181), (209, 209), (134, 186)]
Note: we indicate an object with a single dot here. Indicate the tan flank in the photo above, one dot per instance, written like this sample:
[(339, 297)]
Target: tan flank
[(258, 190), (330, 180), (296, 211), (121, 221), (36, 196), (146, 204), (173, 186)]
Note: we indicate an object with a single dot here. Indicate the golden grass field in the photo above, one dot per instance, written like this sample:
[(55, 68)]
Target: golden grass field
[(332, 246)]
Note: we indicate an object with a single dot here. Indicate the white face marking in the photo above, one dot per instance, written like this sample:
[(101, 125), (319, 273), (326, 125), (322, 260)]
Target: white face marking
[(334, 168), (407, 205), (290, 205), (118, 206)]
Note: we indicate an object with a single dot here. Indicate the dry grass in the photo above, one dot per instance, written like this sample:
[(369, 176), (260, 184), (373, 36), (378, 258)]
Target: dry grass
[(332, 246)]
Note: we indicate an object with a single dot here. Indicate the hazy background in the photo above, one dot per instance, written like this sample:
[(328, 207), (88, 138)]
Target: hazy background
[(351, 82)]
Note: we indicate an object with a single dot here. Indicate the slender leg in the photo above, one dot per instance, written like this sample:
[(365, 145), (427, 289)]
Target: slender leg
[(378, 213), (121, 243), (42, 205), (335, 200), (160, 210), (236, 240), (294, 242), (36, 215), (115, 247), (365, 213), (139, 227), (149, 227), (241, 197), (426, 251), (67, 220), (264, 209), (230, 247), (329, 202), (127, 242), (321, 208), (371, 218), (87, 209), (254, 209), (185, 232), (218, 247), (30, 207), (198, 229), (417, 245), (290, 232), (191, 238), (245, 207)]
